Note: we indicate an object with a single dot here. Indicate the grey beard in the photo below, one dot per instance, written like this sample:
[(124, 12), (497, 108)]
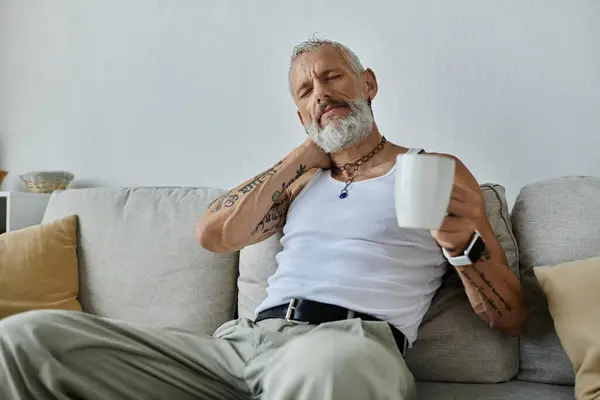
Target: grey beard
[(344, 132)]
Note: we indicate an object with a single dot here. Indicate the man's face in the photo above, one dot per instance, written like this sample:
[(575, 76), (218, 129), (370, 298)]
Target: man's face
[(332, 98), (323, 83)]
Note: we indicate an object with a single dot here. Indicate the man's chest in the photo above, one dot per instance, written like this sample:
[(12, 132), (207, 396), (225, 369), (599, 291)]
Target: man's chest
[(367, 213)]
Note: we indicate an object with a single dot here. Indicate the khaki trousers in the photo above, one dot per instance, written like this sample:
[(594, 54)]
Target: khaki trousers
[(71, 355)]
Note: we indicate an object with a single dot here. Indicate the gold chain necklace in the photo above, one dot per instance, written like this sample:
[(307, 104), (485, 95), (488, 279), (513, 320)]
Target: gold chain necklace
[(355, 165)]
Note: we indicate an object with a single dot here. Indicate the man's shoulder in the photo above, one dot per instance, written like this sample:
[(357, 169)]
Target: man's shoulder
[(444, 155), (402, 150), (462, 172)]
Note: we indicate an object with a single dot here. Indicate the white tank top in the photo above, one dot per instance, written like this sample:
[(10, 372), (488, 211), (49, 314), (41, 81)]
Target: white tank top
[(352, 253)]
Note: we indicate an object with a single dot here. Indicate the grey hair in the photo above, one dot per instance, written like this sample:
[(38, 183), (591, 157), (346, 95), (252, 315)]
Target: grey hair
[(316, 43)]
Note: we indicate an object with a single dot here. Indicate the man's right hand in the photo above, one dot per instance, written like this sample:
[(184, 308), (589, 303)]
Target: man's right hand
[(316, 157)]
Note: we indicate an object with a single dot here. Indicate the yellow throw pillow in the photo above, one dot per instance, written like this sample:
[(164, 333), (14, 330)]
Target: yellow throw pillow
[(38, 268), (573, 293)]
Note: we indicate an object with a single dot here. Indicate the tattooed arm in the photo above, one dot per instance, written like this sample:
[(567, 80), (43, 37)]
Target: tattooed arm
[(257, 208), (493, 289)]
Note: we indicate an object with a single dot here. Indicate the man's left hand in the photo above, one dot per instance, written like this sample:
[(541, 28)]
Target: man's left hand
[(465, 212)]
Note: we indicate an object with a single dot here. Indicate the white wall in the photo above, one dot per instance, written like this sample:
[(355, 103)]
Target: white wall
[(183, 92)]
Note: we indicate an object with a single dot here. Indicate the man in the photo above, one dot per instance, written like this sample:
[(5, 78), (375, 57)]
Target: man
[(349, 293)]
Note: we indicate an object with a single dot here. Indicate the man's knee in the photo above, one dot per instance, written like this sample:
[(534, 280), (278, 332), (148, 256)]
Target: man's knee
[(30, 326)]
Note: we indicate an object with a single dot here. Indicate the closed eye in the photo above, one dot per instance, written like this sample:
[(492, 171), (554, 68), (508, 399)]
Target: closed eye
[(305, 93), (333, 77)]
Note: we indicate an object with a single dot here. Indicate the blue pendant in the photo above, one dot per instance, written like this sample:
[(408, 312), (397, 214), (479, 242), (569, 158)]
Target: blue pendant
[(343, 195)]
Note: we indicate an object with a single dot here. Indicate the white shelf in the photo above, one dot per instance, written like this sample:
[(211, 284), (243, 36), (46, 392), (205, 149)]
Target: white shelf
[(23, 194), (20, 210)]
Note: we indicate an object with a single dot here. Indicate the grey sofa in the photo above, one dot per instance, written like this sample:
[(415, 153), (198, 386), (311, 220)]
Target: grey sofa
[(139, 260)]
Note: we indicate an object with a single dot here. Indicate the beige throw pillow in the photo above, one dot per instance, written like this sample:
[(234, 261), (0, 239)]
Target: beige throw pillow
[(573, 294), (38, 268)]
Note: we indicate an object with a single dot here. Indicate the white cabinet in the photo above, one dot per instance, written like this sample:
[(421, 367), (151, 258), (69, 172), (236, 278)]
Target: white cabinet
[(21, 209)]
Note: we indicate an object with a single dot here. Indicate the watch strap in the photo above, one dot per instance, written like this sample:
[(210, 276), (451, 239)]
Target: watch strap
[(458, 261), (468, 257)]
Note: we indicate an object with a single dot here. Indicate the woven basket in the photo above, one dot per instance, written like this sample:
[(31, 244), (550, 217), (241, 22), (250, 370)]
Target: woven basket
[(47, 182), (45, 186), (3, 174)]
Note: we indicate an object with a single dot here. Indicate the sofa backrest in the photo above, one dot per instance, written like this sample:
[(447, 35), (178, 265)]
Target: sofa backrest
[(454, 344), (554, 221), (139, 258)]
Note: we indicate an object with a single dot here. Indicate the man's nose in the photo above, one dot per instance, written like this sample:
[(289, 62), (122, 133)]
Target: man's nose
[(322, 93)]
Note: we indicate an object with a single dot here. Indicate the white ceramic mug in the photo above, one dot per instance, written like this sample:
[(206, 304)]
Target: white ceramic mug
[(423, 189)]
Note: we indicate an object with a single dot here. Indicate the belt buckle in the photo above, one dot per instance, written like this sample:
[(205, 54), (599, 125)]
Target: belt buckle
[(290, 310)]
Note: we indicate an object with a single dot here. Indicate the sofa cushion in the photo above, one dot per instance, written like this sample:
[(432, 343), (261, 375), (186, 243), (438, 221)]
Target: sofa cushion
[(454, 344), (257, 264), (38, 268), (140, 259), (554, 221), (514, 390), (573, 298)]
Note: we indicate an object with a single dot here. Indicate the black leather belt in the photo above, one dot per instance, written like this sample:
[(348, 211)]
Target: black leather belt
[(316, 313)]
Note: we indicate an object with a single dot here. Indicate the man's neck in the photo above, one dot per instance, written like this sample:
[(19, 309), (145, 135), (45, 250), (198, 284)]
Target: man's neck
[(358, 150)]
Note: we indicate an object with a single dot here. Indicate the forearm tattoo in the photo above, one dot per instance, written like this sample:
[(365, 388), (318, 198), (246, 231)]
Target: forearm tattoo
[(481, 292), (285, 185), (274, 219), (474, 269), (229, 199), (492, 288)]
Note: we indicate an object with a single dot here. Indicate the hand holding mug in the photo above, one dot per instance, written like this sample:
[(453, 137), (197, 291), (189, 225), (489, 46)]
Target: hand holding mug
[(463, 215), (430, 195)]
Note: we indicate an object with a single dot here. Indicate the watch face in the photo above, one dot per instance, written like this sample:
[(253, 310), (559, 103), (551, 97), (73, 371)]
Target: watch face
[(477, 250)]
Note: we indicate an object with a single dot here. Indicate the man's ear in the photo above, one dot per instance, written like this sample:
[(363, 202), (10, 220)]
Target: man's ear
[(300, 117), (370, 86)]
